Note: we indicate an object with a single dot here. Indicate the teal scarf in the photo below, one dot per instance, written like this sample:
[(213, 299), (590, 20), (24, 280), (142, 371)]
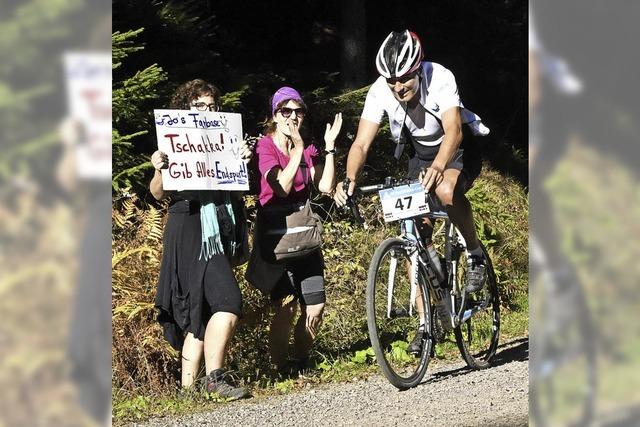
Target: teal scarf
[(211, 236)]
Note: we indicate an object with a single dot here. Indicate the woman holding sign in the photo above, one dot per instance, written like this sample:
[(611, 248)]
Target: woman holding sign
[(292, 275), (198, 296)]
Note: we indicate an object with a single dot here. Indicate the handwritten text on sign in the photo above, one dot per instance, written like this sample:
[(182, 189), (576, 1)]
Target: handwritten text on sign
[(203, 149)]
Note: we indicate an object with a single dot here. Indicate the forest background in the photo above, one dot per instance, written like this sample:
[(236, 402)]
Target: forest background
[(326, 50)]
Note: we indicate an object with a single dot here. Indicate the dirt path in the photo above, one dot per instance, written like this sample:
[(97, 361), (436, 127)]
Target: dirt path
[(451, 395)]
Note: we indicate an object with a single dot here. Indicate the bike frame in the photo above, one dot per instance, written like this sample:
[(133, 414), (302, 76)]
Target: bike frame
[(453, 242)]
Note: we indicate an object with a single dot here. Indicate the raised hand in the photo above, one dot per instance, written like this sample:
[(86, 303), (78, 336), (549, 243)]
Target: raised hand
[(159, 160), (332, 131), (246, 150)]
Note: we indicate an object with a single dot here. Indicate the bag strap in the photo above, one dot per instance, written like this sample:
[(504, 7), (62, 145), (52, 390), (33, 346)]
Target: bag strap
[(306, 178), (303, 166)]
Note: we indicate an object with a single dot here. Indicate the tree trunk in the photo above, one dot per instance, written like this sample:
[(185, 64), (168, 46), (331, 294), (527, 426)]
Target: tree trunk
[(354, 43)]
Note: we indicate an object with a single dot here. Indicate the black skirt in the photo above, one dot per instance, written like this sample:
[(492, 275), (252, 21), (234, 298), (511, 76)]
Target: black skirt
[(191, 290)]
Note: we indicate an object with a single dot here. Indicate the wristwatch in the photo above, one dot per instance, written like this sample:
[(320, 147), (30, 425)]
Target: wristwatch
[(332, 151)]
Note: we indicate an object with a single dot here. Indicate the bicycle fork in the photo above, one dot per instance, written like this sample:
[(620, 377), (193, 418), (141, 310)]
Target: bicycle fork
[(437, 290), (413, 258), (409, 232)]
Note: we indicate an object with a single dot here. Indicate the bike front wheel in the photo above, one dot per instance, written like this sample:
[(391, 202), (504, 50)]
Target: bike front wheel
[(478, 333), (394, 314)]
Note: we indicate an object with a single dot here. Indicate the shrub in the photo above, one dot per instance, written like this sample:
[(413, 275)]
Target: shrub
[(144, 363)]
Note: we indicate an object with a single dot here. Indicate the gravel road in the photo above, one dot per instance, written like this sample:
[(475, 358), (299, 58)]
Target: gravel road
[(451, 395)]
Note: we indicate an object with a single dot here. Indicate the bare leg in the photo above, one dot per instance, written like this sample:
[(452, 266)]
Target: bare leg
[(420, 306), (307, 329), (425, 231), (451, 194), (415, 345), (418, 300), (280, 331), (191, 359), (217, 337)]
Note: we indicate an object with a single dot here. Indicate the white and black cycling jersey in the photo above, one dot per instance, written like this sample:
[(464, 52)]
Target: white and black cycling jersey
[(438, 93)]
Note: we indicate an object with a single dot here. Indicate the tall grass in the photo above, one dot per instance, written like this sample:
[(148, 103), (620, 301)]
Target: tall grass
[(143, 363)]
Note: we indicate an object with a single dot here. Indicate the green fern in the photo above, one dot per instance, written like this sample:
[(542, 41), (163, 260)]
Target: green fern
[(152, 223)]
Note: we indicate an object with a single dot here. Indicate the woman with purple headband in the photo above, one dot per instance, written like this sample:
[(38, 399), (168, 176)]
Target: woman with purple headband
[(286, 163)]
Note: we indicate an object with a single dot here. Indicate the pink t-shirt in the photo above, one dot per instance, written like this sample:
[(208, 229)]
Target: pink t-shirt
[(269, 156)]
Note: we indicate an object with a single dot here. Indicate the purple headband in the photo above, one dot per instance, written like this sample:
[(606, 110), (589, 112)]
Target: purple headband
[(285, 93)]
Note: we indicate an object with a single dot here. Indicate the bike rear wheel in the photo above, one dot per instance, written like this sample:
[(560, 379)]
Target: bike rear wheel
[(477, 336), (393, 318)]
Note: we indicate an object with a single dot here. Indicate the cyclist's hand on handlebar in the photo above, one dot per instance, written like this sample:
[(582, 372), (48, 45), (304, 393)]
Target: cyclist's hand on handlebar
[(430, 178), (341, 195)]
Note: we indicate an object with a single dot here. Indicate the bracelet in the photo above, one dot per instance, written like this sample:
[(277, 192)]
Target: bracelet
[(332, 151)]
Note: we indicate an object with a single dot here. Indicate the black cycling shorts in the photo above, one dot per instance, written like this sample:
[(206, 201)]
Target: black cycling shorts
[(467, 159)]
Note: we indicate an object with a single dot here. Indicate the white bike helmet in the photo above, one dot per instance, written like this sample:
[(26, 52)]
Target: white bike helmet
[(400, 54)]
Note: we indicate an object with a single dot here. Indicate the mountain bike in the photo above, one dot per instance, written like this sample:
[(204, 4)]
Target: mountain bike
[(407, 294)]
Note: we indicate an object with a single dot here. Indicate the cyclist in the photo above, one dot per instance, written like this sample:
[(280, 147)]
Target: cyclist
[(424, 109)]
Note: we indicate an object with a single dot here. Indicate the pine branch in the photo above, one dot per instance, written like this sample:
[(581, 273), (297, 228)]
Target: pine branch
[(122, 45), (124, 178)]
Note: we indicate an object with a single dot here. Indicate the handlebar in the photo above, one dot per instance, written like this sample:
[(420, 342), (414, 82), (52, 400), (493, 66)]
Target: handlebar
[(389, 182)]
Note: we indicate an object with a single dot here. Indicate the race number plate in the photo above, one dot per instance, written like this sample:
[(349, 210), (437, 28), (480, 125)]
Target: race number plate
[(405, 201)]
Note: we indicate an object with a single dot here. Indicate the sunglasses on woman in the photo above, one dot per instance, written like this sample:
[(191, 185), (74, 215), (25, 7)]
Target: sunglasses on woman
[(286, 112)]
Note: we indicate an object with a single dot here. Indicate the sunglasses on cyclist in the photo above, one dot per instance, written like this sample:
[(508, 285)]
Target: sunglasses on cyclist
[(203, 106), (286, 112), (402, 80)]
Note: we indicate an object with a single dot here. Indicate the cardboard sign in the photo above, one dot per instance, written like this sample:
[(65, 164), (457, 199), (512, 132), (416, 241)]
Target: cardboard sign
[(203, 149), (88, 76)]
